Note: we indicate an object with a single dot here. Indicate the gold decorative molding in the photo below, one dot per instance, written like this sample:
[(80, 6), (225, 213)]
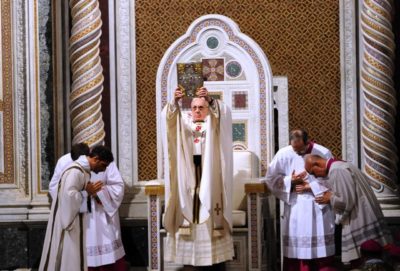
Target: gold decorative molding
[(154, 190), (255, 188), (7, 84)]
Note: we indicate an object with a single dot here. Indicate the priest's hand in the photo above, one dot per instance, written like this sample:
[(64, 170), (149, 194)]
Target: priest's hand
[(178, 94), (93, 188), (301, 188), (325, 198), (298, 178), (203, 93)]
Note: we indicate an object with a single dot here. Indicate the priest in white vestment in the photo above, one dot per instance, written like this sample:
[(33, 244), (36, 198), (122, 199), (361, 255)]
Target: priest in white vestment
[(307, 228), (64, 245), (354, 203), (103, 236), (103, 231), (76, 151), (198, 173)]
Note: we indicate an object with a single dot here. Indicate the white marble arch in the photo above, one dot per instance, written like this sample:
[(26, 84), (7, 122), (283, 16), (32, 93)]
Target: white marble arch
[(256, 79)]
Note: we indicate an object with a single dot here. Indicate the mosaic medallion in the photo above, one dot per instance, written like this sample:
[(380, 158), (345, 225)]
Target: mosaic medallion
[(213, 69), (212, 42), (233, 69)]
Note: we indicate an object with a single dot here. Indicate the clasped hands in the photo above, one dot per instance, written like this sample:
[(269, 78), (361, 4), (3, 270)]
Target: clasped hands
[(93, 187), (300, 186), (299, 183)]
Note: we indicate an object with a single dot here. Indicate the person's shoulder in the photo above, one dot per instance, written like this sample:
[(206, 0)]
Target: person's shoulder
[(321, 149), (112, 169), (64, 160), (342, 166), (112, 166), (73, 169), (66, 157), (285, 151)]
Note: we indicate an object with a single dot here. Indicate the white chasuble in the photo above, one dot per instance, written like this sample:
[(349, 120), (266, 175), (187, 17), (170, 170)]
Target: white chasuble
[(210, 240), (307, 227), (64, 245)]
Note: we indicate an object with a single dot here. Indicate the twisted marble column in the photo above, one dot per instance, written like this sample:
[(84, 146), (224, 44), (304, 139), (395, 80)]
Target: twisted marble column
[(379, 114), (87, 76)]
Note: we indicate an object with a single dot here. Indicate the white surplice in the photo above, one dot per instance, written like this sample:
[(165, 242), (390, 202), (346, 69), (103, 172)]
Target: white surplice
[(103, 236), (307, 227), (64, 245), (210, 241), (103, 241)]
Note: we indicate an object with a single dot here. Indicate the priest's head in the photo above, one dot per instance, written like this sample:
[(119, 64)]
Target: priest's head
[(199, 109), (99, 158), (315, 165), (299, 140), (79, 149)]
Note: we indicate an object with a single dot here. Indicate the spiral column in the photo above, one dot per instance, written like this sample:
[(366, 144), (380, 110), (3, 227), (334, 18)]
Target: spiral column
[(377, 86), (87, 73)]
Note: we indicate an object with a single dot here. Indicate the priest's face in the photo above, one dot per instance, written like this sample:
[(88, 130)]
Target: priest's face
[(298, 145), (98, 165), (199, 109), (298, 141)]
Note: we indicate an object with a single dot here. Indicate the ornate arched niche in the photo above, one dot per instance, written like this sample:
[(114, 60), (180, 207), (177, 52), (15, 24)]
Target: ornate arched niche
[(236, 71)]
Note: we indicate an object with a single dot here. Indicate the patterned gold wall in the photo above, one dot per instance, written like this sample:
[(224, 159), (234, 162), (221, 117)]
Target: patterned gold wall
[(300, 39)]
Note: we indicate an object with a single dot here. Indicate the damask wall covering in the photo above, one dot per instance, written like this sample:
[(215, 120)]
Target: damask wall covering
[(300, 38)]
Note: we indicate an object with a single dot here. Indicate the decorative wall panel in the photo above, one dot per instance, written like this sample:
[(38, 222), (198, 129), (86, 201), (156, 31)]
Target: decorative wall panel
[(300, 39), (46, 92), (6, 97)]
